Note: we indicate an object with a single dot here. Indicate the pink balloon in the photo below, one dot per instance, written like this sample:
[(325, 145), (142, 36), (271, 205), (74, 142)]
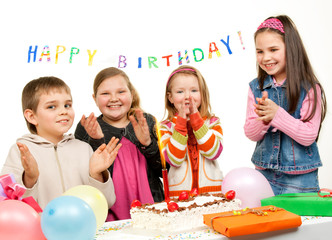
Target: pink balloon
[(19, 221), (250, 186)]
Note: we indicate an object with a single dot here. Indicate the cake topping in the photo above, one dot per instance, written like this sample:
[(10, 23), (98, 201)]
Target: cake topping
[(172, 206), (183, 196), (181, 215), (135, 203), (193, 192), (201, 200), (230, 195)]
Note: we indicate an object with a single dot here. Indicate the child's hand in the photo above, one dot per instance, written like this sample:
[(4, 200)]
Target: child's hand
[(266, 109), (183, 108), (92, 126), (260, 101), (103, 158), (31, 172), (192, 105), (141, 128)]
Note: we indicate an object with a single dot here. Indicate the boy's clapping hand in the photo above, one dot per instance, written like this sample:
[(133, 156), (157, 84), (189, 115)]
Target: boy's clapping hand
[(31, 172), (103, 158)]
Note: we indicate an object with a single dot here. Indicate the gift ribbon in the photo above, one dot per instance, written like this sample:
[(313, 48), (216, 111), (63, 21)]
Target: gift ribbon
[(319, 194), (261, 212), (15, 191), (325, 190)]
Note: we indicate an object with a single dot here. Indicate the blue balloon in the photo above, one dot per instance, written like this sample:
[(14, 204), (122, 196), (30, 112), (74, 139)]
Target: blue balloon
[(68, 218)]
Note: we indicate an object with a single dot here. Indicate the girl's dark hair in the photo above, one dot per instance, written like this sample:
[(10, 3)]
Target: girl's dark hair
[(299, 71)]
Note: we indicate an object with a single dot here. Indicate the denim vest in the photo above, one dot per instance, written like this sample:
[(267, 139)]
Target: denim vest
[(277, 150)]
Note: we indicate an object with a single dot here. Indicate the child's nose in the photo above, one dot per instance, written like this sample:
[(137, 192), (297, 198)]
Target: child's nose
[(266, 56), (63, 110), (113, 97)]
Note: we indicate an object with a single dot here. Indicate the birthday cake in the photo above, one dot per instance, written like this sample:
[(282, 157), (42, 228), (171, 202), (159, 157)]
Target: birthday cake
[(179, 214)]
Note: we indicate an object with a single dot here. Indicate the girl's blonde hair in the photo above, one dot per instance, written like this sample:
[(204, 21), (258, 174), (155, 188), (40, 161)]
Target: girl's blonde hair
[(111, 72), (205, 107)]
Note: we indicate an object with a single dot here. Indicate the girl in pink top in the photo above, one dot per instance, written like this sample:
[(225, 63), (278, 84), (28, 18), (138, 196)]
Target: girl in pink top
[(137, 167), (286, 106)]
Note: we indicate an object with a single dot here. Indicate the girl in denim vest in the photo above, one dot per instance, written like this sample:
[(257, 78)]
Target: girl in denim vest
[(286, 106)]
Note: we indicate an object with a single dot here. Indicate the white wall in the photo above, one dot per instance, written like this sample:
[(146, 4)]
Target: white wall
[(154, 29)]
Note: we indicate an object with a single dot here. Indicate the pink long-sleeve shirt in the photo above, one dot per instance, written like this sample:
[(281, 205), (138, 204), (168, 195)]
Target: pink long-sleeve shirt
[(304, 133)]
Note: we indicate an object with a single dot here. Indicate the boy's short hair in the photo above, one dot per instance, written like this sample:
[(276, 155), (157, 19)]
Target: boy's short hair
[(35, 88)]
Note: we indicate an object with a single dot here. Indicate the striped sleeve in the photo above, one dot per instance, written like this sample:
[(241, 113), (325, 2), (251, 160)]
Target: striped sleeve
[(210, 138), (174, 144)]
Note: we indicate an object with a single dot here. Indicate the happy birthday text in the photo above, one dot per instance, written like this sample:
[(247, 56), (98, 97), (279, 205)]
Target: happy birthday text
[(197, 54)]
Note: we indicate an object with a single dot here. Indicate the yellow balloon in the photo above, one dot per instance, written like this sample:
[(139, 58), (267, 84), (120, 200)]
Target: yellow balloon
[(94, 198)]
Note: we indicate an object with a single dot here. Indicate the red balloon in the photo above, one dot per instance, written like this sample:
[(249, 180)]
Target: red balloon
[(19, 221)]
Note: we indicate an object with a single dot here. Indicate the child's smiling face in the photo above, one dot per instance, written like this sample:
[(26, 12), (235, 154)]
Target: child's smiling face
[(271, 54), (114, 100), (54, 115)]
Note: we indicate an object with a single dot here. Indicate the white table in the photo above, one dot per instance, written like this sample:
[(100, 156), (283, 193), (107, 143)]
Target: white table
[(315, 228)]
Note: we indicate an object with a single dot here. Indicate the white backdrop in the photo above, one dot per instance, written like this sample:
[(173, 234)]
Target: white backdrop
[(143, 31)]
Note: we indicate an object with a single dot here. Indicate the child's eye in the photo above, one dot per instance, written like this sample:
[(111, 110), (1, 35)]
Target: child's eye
[(259, 52), (179, 91), (194, 90), (274, 50), (122, 91), (51, 107), (68, 105)]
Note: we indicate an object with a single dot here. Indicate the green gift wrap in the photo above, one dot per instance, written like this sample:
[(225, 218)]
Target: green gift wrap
[(304, 204)]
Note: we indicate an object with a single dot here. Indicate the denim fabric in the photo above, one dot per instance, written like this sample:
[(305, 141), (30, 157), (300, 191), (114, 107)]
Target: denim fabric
[(277, 150), (291, 183)]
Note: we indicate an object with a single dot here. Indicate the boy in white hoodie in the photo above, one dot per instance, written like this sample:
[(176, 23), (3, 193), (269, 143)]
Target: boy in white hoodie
[(48, 162)]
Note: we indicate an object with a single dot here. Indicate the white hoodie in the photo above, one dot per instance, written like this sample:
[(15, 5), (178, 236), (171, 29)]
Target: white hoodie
[(61, 167)]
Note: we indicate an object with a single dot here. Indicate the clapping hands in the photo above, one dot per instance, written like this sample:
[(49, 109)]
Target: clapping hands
[(265, 108), (29, 163), (187, 107), (141, 128), (103, 158), (92, 126)]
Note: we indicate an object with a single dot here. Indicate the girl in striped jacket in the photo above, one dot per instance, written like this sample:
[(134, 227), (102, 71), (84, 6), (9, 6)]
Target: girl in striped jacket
[(191, 135)]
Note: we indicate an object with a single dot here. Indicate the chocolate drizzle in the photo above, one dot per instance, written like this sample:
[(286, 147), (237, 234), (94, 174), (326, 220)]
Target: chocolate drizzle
[(192, 206)]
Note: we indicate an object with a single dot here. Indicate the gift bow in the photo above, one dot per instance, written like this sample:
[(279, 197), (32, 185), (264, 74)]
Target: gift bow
[(325, 190), (14, 191), (261, 212)]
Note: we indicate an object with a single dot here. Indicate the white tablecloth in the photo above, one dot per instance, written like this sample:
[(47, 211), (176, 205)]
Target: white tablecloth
[(315, 228)]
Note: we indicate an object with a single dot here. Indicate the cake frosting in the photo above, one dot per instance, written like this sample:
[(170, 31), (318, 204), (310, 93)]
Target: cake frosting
[(189, 214)]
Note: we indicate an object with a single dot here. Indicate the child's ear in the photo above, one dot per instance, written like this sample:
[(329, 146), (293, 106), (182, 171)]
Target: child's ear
[(169, 97), (30, 116), (94, 97)]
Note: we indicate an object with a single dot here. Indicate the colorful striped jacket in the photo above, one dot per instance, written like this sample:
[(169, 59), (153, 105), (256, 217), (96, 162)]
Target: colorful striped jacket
[(192, 148)]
